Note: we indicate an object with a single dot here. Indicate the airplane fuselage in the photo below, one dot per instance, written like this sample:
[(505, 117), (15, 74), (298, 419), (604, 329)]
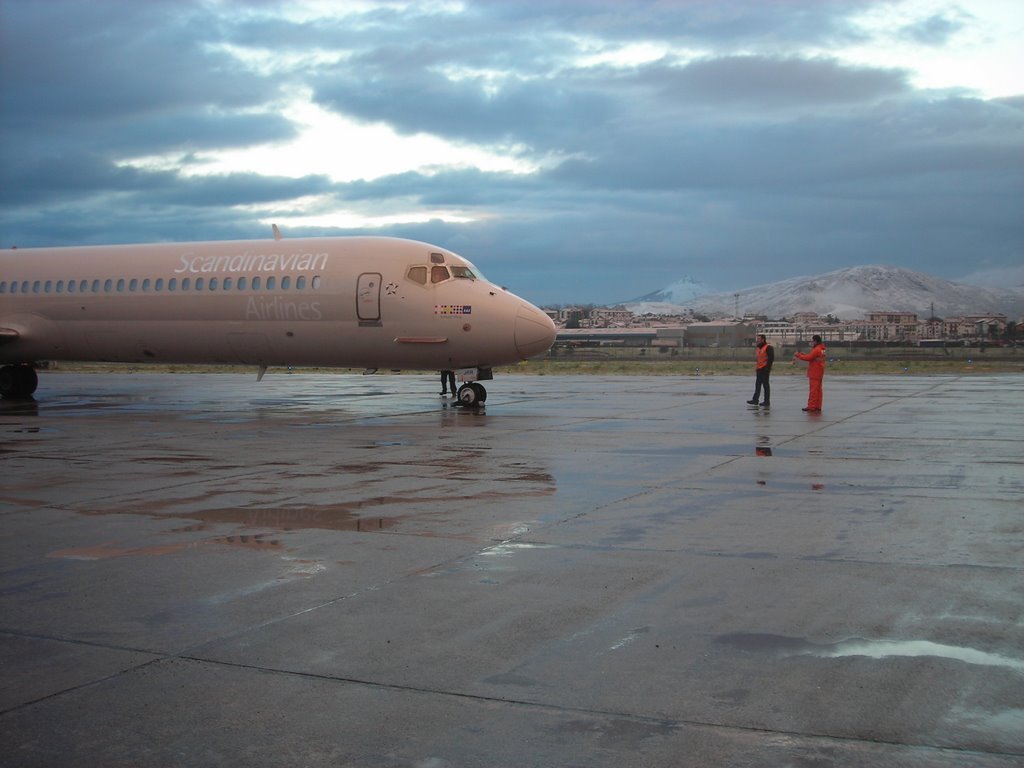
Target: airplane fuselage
[(367, 302)]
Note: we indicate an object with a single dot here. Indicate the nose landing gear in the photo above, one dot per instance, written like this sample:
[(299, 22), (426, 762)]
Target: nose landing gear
[(471, 395), (18, 381)]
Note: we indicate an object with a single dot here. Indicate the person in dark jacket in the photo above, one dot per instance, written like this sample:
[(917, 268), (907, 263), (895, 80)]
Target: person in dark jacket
[(765, 357)]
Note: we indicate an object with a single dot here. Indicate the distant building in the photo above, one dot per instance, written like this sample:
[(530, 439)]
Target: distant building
[(720, 333)]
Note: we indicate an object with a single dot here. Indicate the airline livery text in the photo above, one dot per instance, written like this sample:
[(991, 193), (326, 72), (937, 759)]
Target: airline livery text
[(251, 262)]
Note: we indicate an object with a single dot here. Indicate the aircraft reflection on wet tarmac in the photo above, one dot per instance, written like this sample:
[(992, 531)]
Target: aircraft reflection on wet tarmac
[(633, 570)]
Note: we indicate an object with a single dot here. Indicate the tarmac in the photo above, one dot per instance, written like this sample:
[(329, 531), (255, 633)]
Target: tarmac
[(346, 570)]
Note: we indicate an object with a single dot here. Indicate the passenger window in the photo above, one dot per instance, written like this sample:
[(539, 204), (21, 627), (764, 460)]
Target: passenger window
[(213, 283), (271, 283), (108, 285), (256, 283), (95, 286), (83, 286), (159, 284), (60, 286), (120, 285), (227, 283), (418, 275), (300, 282), (133, 285), (438, 274), (145, 285), (172, 284), (3, 286), (286, 283), (186, 283), (199, 283), (316, 282), (241, 283)]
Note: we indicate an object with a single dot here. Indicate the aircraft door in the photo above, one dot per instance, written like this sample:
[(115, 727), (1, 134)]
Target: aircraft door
[(368, 298)]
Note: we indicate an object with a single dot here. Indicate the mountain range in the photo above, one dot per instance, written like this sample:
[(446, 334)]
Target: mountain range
[(847, 294)]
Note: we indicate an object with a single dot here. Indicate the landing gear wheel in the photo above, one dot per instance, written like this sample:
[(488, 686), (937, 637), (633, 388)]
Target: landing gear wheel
[(18, 381), (471, 395)]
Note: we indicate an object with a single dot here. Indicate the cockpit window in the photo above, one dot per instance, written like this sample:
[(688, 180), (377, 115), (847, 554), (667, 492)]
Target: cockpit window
[(437, 258), (438, 274), (418, 275), (463, 272)]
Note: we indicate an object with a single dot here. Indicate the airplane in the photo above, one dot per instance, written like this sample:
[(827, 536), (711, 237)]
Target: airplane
[(344, 302)]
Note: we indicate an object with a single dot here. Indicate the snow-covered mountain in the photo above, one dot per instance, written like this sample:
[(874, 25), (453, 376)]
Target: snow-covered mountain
[(668, 300), (853, 292)]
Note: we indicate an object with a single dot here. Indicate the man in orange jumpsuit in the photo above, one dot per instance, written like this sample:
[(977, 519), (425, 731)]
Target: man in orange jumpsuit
[(815, 373)]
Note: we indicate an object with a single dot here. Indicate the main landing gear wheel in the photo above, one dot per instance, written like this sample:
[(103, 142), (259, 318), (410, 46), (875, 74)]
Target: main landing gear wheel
[(471, 394), (18, 381)]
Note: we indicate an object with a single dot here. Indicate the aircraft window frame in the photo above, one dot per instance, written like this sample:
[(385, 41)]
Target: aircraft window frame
[(83, 286), (158, 286), (133, 285), (256, 282), (437, 258), (59, 287), (146, 283), (300, 283), (36, 287), (316, 282), (199, 284), (120, 285), (414, 272), (96, 286), (172, 284), (226, 284), (439, 274), (71, 286), (286, 282), (460, 272), (3, 286), (186, 283), (240, 283), (212, 285)]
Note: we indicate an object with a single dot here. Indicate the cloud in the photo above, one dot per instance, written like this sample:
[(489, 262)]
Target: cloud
[(738, 142)]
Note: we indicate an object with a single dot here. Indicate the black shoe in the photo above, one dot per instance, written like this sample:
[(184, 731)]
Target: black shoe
[(806, 409), (751, 402), (766, 405)]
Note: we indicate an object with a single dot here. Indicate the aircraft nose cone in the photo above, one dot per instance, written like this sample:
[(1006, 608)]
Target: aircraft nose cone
[(534, 332)]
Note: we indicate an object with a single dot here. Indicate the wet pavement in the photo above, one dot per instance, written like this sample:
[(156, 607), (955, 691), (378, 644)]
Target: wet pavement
[(327, 570)]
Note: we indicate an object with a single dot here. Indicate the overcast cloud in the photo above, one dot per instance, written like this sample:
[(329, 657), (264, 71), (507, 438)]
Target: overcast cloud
[(576, 151)]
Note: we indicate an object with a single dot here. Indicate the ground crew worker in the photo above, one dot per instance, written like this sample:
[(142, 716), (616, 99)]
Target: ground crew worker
[(815, 373), (447, 380), (765, 357)]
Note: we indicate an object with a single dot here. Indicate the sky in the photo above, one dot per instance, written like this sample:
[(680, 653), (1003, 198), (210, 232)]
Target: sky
[(576, 151)]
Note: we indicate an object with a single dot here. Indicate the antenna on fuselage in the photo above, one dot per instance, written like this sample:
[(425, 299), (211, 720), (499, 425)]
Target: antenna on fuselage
[(277, 232)]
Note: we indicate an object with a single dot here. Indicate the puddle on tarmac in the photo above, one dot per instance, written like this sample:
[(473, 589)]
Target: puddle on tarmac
[(110, 551), (781, 645)]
